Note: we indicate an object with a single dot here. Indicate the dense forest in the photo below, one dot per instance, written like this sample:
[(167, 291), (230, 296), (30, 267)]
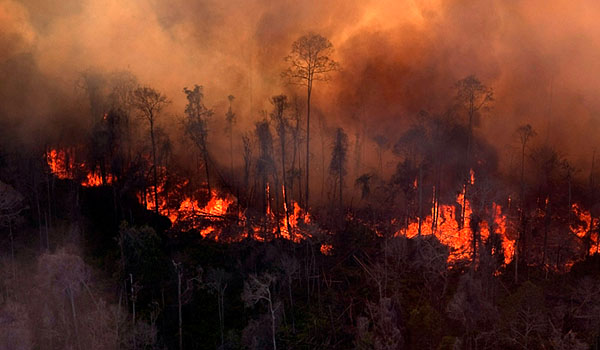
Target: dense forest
[(354, 186)]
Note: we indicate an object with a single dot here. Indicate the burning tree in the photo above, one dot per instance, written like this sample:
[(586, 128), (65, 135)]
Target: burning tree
[(310, 60), (196, 126), (473, 97), (265, 166), (150, 103), (280, 105)]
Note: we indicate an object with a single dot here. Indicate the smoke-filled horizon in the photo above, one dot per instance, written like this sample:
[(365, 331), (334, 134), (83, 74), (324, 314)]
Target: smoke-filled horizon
[(396, 58)]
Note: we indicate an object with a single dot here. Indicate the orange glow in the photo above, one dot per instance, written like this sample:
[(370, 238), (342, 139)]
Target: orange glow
[(63, 165), (95, 179), (326, 249), (585, 217), (296, 217), (459, 240)]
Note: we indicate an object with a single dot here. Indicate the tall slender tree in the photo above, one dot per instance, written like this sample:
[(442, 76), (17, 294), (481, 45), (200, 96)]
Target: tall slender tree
[(280, 105), (310, 60), (150, 103), (337, 167), (230, 119), (525, 133), (473, 97), (196, 126)]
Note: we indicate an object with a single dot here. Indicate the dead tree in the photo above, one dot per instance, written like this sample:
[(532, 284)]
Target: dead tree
[(258, 289)]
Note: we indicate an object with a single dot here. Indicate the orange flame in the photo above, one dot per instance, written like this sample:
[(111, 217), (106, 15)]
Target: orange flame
[(458, 239), (62, 164)]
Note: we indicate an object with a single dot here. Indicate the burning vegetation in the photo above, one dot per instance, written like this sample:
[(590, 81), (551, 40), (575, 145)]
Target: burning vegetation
[(349, 195)]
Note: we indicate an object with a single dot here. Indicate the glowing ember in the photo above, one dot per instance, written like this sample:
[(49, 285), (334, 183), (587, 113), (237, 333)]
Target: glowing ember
[(60, 163), (326, 249), (95, 179), (584, 217)]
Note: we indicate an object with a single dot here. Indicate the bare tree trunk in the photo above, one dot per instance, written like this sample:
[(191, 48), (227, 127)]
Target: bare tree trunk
[(205, 156), (285, 201), (291, 303), (309, 90), (272, 319), (420, 198), (221, 314), (154, 165), (341, 184), (180, 319), (76, 328)]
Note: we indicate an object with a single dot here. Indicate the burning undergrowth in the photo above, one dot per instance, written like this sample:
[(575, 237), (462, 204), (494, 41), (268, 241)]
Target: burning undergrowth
[(220, 216)]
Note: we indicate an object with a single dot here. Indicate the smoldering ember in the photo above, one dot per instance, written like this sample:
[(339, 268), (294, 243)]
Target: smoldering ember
[(376, 174)]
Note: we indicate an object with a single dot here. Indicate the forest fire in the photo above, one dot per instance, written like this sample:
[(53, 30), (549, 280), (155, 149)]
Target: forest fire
[(219, 207), (583, 228), (60, 162), (444, 223), (309, 175), (460, 240), (63, 165)]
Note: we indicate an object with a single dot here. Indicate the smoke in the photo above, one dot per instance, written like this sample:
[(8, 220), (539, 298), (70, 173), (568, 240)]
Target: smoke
[(541, 58)]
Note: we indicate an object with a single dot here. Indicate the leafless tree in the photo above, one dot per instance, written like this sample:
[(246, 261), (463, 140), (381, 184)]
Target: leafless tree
[(258, 289), (310, 60), (64, 273), (184, 295), (217, 280), (290, 267)]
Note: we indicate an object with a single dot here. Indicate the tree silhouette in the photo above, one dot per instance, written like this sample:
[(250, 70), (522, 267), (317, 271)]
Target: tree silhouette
[(280, 105), (196, 126), (150, 103), (230, 118), (337, 167), (310, 60), (473, 97)]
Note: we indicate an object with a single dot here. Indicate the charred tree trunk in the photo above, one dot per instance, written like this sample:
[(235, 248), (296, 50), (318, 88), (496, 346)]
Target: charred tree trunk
[(154, 167), (420, 198), (308, 93), (206, 161)]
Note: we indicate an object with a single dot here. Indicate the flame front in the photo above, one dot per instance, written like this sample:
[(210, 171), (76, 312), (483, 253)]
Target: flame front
[(459, 240)]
